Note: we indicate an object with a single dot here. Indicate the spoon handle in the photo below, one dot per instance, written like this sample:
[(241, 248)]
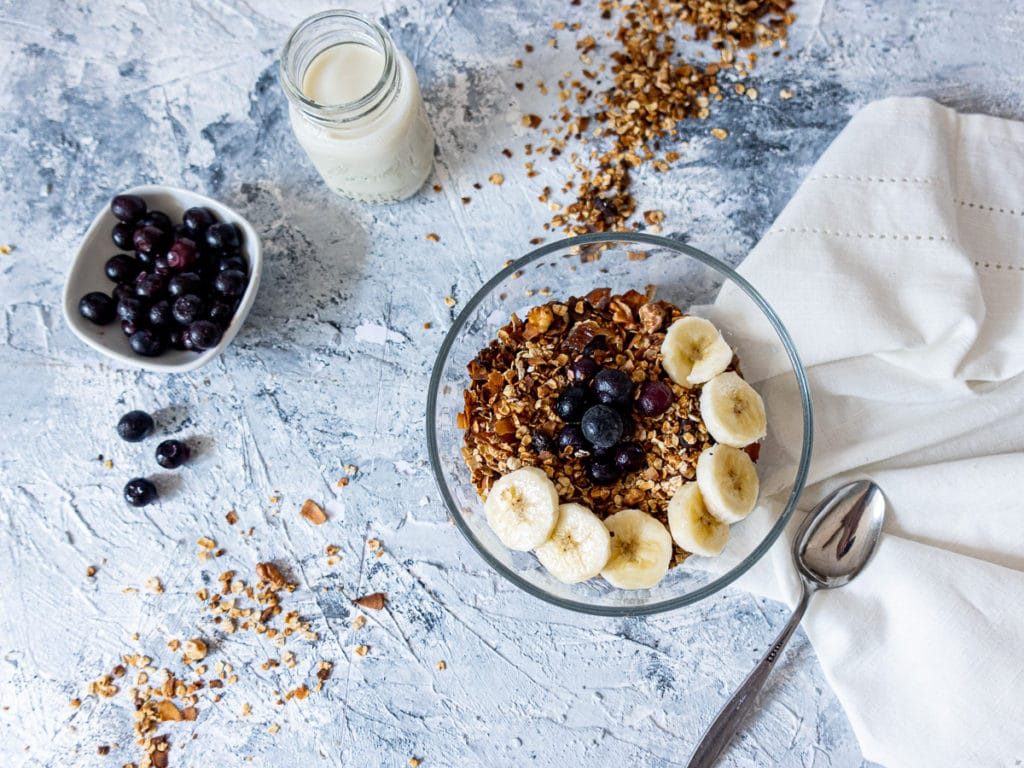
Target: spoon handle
[(720, 732)]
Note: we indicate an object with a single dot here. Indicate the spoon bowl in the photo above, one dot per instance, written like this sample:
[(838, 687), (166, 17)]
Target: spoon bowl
[(833, 544)]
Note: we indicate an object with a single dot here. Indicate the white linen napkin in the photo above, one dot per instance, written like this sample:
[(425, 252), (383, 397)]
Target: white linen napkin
[(898, 268)]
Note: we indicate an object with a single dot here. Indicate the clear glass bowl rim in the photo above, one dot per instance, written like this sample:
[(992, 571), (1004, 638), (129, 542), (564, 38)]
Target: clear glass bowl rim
[(677, 248)]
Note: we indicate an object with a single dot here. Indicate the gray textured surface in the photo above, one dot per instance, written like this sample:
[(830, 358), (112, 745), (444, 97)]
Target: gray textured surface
[(331, 369)]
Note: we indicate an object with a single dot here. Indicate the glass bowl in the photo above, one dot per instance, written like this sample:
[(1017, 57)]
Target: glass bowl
[(695, 282)]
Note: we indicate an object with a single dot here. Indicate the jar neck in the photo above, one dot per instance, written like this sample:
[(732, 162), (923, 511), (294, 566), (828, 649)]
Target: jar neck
[(323, 31)]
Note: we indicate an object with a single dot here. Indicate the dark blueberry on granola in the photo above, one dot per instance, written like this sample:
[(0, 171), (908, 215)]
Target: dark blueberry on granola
[(602, 470), (583, 369), (572, 404), (611, 386), (541, 442), (629, 457), (571, 436), (602, 426), (655, 398)]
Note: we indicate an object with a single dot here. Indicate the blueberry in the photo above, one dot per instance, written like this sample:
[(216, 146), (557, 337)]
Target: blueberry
[(571, 436), (171, 454), (602, 426), (147, 343), (122, 290), (161, 266), (134, 426), (223, 236), (97, 307), (655, 398), (158, 219), (182, 254), (149, 240), (121, 268), (160, 315), (147, 260), (133, 310), (183, 283), (629, 457), (611, 386), (128, 328), (232, 262), (188, 308), (602, 470), (139, 492), (122, 234), (128, 208), (221, 313), (150, 286), (230, 283), (571, 404), (204, 334), (176, 338), (583, 368), (196, 220), (541, 442)]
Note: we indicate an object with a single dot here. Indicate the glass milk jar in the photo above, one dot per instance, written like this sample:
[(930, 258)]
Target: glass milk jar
[(356, 108)]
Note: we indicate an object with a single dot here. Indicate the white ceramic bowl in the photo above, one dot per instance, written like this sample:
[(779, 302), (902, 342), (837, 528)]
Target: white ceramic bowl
[(86, 275)]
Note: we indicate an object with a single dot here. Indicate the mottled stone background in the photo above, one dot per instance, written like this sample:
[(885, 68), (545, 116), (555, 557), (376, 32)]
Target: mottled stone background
[(331, 369)]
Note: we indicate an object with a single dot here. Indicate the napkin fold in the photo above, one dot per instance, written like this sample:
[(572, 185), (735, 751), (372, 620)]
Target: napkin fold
[(898, 269)]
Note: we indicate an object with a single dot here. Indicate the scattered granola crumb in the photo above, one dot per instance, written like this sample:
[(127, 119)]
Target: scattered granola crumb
[(438, 188), (785, 94), (362, 650), (108, 464), (466, 200), (103, 749), (6, 249), (359, 622), (90, 571), (449, 301), (432, 237), (273, 728), (374, 601), (153, 585), (274, 499), (231, 517), (194, 650), (246, 709), (206, 543), (313, 512), (441, 666), (76, 703), (342, 482), (413, 762), (496, 179), (719, 133), (427, 326)]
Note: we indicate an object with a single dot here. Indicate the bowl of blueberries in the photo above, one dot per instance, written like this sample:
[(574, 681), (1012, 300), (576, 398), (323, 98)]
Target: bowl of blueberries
[(163, 279)]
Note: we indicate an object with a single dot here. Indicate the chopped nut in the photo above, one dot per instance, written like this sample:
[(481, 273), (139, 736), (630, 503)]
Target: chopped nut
[(432, 237), (246, 709), (719, 133), (358, 622), (153, 585), (496, 179), (5, 249), (441, 666), (362, 650), (206, 543), (449, 301), (273, 728), (374, 601), (167, 711), (313, 512), (372, 544), (413, 762), (194, 650), (231, 517), (90, 571), (76, 703)]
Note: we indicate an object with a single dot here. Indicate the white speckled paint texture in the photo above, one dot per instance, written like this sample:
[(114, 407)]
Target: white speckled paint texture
[(331, 369)]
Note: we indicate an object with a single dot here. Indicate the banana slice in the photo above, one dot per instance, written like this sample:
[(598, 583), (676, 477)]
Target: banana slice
[(641, 550), (732, 411), (522, 508), (694, 351), (728, 482), (579, 547), (694, 528)]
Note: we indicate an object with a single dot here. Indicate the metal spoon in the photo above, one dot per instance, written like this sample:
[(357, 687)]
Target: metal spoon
[(834, 543)]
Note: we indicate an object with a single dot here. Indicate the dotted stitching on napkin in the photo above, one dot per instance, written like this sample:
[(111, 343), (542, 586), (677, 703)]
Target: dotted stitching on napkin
[(992, 208), (885, 179), (989, 265), (860, 235)]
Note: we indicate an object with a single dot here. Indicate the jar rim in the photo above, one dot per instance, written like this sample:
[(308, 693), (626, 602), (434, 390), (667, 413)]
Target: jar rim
[(347, 111)]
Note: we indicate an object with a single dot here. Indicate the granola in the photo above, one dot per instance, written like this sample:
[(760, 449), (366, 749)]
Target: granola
[(517, 378)]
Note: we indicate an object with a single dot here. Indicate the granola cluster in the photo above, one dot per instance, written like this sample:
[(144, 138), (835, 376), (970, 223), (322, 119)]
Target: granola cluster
[(517, 378)]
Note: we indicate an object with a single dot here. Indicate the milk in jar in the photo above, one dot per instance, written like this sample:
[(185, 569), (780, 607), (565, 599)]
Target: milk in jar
[(356, 108)]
